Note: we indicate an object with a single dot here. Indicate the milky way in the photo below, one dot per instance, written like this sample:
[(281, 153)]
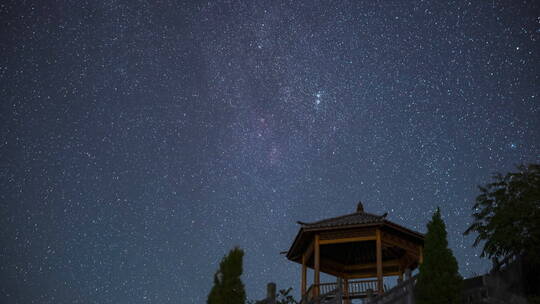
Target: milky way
[(140, 141)]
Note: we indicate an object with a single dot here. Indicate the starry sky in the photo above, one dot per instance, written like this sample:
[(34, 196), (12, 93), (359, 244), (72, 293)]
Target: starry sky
[(142, 140)]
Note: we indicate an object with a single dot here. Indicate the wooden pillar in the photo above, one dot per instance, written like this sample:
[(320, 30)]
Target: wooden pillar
[(403, 262), (317, 266), (380, 285), (346, 291), (400, 275), (304, 276), (271, 293), (339, 292), (421, 255)]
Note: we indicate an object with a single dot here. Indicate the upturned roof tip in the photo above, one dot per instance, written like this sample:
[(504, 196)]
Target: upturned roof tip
[(359, 207)]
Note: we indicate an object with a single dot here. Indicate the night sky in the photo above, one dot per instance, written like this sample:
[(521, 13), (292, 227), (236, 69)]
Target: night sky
[(141, 140)]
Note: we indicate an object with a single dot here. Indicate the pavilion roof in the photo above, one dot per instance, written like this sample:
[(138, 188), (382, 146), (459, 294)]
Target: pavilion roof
[(356, 218)]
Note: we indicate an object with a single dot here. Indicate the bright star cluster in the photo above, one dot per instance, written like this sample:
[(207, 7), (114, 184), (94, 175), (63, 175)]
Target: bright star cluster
[(142, 140)]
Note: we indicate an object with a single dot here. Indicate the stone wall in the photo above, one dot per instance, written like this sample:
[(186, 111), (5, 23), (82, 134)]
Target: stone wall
[(503, 286), (402, 293)]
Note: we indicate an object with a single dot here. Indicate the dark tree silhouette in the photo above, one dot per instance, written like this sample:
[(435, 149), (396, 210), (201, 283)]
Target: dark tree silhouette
[(438, 281), (507, 216), (228, 287), (507, 220)]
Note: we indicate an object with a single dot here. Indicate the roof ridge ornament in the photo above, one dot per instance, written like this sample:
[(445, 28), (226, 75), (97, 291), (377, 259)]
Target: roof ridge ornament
[(360, 207)]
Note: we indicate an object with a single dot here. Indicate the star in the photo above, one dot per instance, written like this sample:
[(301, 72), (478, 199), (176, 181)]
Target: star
[(318, 98)]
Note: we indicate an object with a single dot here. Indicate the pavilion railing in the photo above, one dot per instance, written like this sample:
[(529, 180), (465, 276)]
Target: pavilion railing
[(324, 289), (357, 289), (360, 288)]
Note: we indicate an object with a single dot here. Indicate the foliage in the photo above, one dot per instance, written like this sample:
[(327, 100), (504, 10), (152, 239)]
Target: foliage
[(228, 287), (507, 216), (284, 297), (507, 220), (438, 280)]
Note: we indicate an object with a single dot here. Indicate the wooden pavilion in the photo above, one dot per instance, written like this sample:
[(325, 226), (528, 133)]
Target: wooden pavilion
[(360, 249)]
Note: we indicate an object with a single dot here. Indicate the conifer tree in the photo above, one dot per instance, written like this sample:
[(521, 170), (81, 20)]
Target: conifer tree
[(438, 281), (228, 287)]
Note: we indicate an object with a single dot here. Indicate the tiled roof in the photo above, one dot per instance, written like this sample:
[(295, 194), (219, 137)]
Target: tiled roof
[(356, 218), (354, 221)]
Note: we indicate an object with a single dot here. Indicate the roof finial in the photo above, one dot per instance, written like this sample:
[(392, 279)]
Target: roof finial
[(360, 207)]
